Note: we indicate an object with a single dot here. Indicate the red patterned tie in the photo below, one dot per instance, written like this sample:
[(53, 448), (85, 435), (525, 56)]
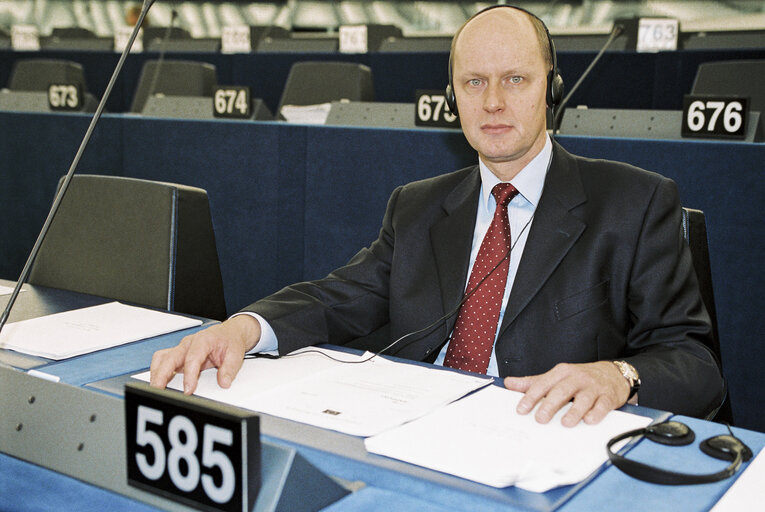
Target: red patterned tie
[(473, 337)]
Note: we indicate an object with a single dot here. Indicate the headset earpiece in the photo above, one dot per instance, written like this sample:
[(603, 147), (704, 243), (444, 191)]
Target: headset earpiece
[(672, 433), (725, 447), (451, 100)]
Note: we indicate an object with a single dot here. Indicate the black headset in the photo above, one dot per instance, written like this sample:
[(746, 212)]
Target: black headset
[(674, 433), (554, 80)]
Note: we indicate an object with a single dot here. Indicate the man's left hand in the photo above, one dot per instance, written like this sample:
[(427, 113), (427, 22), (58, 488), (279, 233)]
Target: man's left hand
[(596, 388)]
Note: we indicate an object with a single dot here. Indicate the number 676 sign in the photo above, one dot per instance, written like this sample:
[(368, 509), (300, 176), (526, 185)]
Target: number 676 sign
[(715, 116)]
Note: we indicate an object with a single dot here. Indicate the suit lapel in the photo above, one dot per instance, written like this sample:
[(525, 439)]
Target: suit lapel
[(554, 231), (451, 240)]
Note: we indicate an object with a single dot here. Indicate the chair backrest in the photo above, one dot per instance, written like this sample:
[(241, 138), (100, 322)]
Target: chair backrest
[(315, 82), (173, 78), (695, 233), (735, 77), (38, 74), (137, 241)]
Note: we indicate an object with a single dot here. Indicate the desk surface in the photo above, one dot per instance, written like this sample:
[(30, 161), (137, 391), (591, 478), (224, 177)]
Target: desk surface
[(397, 485)]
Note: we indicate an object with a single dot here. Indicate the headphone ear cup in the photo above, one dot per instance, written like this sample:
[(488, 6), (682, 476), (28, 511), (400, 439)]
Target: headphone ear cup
[(554, 89), (451, 99)]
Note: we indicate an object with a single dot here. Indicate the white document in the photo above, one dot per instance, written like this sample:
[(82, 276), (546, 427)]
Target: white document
[(85, 330), (362, 398), (482, 438), (306, 114), (747, 491)]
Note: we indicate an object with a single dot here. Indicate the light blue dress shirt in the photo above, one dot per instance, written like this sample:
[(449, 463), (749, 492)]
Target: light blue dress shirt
[(529, 183)]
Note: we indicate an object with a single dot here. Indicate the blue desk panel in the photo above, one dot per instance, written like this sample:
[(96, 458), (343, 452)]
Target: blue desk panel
[(25, 486)]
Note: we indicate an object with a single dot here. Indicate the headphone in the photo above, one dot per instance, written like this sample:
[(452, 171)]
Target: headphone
[(674, 433), (554, 92)]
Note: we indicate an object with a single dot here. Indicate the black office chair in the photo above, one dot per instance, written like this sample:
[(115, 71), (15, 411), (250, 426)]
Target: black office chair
[(312, 83), (38, 74), (739, 77), (137, 241), (76, 38), (695, 233), (173, 78), (735, 78)]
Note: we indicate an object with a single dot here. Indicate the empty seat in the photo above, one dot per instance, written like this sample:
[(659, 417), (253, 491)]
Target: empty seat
[(38, 74), (173, 78), (30, 79), (734, 77), (137, 241), (312, 83), (76, 38)]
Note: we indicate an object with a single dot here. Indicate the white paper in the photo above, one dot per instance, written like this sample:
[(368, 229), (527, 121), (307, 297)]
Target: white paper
[(306, 114), (361, 399), (85, 330), (482, 438), (7, 290), (747, 491)]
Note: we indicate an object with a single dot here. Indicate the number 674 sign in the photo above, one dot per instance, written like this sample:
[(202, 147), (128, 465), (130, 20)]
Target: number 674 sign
[(715, 116)]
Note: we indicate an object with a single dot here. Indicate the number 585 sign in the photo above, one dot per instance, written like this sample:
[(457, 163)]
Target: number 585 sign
[(186, 449), (715, 116)]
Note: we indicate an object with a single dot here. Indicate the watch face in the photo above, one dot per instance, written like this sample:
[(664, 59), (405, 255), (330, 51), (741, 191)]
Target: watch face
[(628, 371)]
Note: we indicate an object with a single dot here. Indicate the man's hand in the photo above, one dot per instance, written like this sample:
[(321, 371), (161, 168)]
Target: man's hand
[(596, 389), (221, 346)]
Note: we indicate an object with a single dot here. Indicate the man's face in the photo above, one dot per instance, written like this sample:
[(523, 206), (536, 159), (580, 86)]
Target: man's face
[(500, 77)]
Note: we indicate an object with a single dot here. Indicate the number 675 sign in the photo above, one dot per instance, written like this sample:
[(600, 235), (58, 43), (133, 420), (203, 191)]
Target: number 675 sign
[(715, 117)]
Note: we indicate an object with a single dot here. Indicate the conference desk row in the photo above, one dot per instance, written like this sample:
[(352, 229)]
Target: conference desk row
[(53, 462), (622, 79)]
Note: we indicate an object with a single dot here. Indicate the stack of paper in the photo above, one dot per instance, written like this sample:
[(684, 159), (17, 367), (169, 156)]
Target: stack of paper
[(482, 438), (85, 330), (421, 415), (353, 397), (306, 114)]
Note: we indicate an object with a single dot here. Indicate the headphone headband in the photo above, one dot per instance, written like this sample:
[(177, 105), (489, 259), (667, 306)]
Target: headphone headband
[(554, 93), (725, 447)]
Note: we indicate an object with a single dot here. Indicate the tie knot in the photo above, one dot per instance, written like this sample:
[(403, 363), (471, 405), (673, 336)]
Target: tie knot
[(503, 193)]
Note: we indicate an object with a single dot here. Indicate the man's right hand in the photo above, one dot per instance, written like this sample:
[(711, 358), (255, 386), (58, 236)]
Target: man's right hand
[(221, 346)]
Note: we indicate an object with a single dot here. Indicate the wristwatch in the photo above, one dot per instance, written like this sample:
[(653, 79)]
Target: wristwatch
[(630, 373)]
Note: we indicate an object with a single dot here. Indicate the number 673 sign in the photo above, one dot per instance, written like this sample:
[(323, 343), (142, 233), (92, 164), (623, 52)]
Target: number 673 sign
[(715, 116)]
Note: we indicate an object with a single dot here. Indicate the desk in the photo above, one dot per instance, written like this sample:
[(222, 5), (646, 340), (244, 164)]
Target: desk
[(397, 485)]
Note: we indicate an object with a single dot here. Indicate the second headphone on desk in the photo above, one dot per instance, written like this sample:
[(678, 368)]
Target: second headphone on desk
[(554, 93), (674, 433)]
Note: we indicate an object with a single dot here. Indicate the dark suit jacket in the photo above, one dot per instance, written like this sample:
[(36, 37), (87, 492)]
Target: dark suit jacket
[(605, 274)]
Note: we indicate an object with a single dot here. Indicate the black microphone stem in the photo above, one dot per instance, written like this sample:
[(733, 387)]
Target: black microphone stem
[(615, 32), (68, 178)]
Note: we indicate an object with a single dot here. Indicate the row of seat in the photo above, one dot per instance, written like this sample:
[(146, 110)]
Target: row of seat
[(263, 38), (165, 84), (182, 89)]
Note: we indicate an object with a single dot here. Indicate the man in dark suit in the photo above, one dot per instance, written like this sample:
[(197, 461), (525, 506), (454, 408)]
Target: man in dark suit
[(598, 293)]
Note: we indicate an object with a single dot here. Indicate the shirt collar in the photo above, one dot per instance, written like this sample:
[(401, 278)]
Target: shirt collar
[(529, 182)]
